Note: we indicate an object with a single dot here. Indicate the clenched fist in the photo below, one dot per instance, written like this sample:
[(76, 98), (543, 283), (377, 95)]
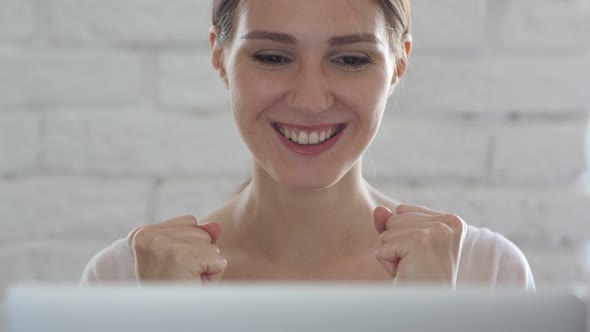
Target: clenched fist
[(419, 245), (177, 249)]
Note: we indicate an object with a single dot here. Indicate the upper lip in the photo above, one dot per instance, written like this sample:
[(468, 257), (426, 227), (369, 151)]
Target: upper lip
[(309, 127)]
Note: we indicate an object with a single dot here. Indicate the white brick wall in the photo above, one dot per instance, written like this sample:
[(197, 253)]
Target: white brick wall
[(181, 80), (452, 25), (131, 21), (532, 26), (24, 129), (143, 143), (108, 110), (16, 20), (41, 77)]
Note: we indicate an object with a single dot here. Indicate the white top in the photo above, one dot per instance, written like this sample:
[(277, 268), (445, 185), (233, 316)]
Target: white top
[(487, 259)]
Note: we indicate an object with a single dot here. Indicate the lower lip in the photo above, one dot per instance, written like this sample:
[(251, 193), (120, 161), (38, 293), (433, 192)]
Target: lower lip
[(312, 149)]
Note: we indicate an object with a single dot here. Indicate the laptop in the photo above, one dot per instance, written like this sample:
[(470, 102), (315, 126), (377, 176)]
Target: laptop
[(291, 307)]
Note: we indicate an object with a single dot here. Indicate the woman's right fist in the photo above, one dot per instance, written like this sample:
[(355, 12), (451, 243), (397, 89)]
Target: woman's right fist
[(177, 249)]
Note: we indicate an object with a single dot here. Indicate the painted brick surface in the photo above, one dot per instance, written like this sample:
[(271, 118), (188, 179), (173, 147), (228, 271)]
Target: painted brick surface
[(16, 20), (181, 80), (438, 149), (70, 208), (144, 143), (112, 117), (130, 21), (41, 77), (539, 153), (448, 25), (24, 129)]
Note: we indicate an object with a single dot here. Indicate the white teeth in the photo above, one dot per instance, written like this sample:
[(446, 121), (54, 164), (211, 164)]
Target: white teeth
[(303, 139), (313, 138)]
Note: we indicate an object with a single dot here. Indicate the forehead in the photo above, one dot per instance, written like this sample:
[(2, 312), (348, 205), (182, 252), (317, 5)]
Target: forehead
[(313, 19)]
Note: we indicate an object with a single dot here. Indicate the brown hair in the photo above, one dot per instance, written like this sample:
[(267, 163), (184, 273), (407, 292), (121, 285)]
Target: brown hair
[(396, 12)]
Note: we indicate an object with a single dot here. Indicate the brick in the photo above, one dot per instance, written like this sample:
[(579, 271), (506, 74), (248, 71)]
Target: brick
[(191, 81), (44, 77), (46, 261), (447, 25), (535, 26), (19, 142), (540, 84), (195, 197), (551, 153), (145, 144), (443, 83), (57, 208), (131, 21), (16, 20), (426, 149), (543, 218)]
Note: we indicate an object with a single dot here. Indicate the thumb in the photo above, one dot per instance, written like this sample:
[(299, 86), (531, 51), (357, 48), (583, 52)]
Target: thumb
[(380, 215), (213, 228)]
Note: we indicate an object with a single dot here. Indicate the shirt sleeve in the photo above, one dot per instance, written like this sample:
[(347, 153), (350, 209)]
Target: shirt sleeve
[(112, 264), (514, 269)]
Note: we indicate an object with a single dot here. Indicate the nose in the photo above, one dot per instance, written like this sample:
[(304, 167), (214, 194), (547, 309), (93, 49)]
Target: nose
[(310, 91)]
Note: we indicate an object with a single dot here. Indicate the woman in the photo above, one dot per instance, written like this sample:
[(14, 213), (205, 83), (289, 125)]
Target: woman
[(308, 82)]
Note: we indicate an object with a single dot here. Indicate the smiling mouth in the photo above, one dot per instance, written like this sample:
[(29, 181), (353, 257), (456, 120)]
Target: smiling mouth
[(308, 137)]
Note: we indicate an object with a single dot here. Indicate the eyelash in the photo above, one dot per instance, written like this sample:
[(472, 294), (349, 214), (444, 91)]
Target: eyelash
[(267, 59)]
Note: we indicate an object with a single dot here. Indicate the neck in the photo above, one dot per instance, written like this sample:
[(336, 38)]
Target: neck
[(292, 226)]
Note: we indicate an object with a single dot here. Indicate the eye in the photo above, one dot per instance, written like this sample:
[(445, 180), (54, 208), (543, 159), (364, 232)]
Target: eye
[(354, 62), (271, 59)]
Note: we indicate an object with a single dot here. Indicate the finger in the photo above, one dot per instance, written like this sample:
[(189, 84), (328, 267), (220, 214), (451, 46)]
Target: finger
[(391, 234), (399, 220), (380, 215), (212, 277), (404, 208), (213, 228), (453, 221), (184, 234), (202, 262), (390, 267), (187, 220), (402, 244)]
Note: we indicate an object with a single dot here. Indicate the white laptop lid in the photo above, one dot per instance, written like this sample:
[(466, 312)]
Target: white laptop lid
[(290, 307)]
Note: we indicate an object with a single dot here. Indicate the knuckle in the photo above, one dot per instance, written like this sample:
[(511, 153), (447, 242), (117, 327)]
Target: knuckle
[(422, 237), (382, 238), (385, 237), (454, 222), (441, 228), (189, 218), (161, 246), (203, 235), (214, 249), (139, 240), (131, 236)]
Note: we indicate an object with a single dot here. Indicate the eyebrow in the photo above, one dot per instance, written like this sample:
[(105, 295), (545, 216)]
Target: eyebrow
[(284, 38)]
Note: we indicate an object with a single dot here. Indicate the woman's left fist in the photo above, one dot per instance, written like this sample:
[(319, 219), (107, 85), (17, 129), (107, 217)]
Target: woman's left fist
[(419, 245)]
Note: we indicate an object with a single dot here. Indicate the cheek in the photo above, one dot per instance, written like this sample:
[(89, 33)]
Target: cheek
[(366, 95), (253, 91)]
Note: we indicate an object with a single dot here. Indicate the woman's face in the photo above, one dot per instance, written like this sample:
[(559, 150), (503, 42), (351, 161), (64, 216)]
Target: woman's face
[(307, 90)]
